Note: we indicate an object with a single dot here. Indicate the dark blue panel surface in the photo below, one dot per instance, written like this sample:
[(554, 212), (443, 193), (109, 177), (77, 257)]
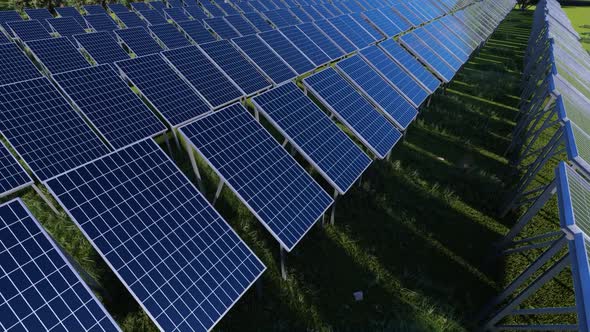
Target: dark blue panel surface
[(426, 55), (39, 14), (15, 65), (281, 17), (195, 12), (14, 177), (287, 51), (101, 22), (58, 54), (94, 9), (306, 45), (131, 20), (27, 30), (101, 47), (357, 17), (408, 14), (338, 37), (258, 22), (169, 36), (241, 25), (220, 26), (153, 17), (196, 31), (175, 14), (73, 13), (265, 177), (117, 8), (137, 6), (139, 41), (8, 16), (437, 46), (301, 14), (321, 40), (65, 26), (213, 10), (353, 32), (382, 23)]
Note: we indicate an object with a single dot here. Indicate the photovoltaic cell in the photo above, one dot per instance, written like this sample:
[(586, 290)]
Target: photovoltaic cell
[(195, 31), (238, 68), (381, 23), (408, 14), (199, 71), (373, 86), (175, 14), (287, 51), (357, 17), (258, 22), (342, 8), (117, 8), (131, 20), (438, 48), (8, 16), (27, 30), (153, 17), (321, 40), (169, 36), (139, 41), (280, 18), (339, 38), (39, 14), (65, 26), (41, 291), (44, 130), (270, 63), (284, 198), (396, 18), (57, 54), (174, 253), (110, 105), (312, 132), (301, 14), (73, 13), (323, 11), (158, 6), (395, 75), (332, 9), (15, 65), (137, 6), (426, 55), (14, 177), (241, 25), (101, 22), (220, 26), (175, 3), (245, 7), (353, 32), (315, 15), (305, 45), (171, 96), (352, 109), (94, 9), (213, 10), (259, 6), (4, 39), (195, 12), (227, 8), (101, 47)]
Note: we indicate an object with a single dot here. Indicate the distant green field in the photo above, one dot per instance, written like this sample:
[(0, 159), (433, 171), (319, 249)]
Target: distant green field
[(580, 17)]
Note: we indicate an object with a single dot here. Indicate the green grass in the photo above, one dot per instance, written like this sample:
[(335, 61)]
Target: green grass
[(580, 18), (414, 236)]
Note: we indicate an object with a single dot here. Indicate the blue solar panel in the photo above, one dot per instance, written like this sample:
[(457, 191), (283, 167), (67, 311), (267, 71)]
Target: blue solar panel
[(410, 64), (340, 39), (284, 198), (305, 45), (15, 65), (436, 46), (395, 75), (73, 13), (153, 17), (342, 8), (4, 39), (455, 45), (314, 135), (332, 9), (353, 32), (227, 8), (315, 15), (158, 6), (241, 25), (195, 12), (41, 291), (381, 23), (169, 36), (117, 8), (131, 20), (373, 86), (175, 3), (175, 14), (259, 6), (94, 9), (101, 47), (8, 16), (281, 18), (101, 22), (268, 62), (213, 10), (321, 40), (199, 71), (14, 177), (427, 56), (323, 11), (245, 7), (258, 22), (352, 109), (301, 14), (138, 41), (353, 6), (287, 51), (175, 254), (27, 30), (357, 17), (39, 14), (196, 31), (57, 54), (137, 6), (44, 130), (397, 19), (65, 26), (110, 105), (237, 67), (408, 14), (170, 95), (220, 26)]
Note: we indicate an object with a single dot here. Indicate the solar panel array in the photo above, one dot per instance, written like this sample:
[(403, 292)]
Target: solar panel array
[(28, 30), (305, 45), (73, 13), (130, 20), (101, 22), (101, 47), (221, 28), (14, 177), (65, 26), (287, 51), (196, 31), (138, 41), (169, 36), (15, 65), (57, 54)]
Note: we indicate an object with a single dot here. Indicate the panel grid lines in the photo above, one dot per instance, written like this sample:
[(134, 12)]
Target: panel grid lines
[(139, 41), (169, 36), (16, 66), (101, 47), (287, 51), (28, 30), (14, 176)]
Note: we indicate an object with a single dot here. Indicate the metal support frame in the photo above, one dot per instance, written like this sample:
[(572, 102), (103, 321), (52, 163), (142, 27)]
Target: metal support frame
[(45, 199), (333, 213), (283, 255), (168, 146), (191, 155), (218, 192)]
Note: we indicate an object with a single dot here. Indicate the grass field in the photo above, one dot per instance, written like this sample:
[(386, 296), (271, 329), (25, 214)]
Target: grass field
[(414, 236), (580, 18)]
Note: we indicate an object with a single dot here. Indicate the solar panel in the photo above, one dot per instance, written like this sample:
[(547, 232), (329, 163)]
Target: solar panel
[(27, 30), (204, 75), (265, 59), (245, 7), (15, 65), (301, 14), (374, 87), (8, 16), (65, 26), (220, 26), (237, 67), (342, 8), (227, 8), (117, 8), (408, 14), (101, 47), (41, 291), (153, 17), (357, 17), (57, 54), (352, 109), (4, 39), (340, 39), (315, 15), (110, 105), (171, 96), (427, 56), (259, 6), (175, 254), (73, 13), (456, 37), (278, 191), (452, 43), (175, 3), (138, 41), (354, 32), (395, 75), (169, 36), (331, 8), (314, 135), (323, 11), (321, 40), (281, 18), (241, 25), (211, 9), (14, 177), (131, 20), (258, 22), (94, 9), (410, 64), (354, 6), (381, 23), (305, 45), (44, 130), (438, 48), (138, 6), (39, 14), (195, 12), (175, 14), (158, 6), (287, 51), (101, 22), (196, 31)]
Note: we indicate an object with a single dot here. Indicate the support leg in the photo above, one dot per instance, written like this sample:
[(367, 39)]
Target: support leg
[(218, 192), (168, 143), (333, 214), (283, 263), (45, 199), (191, 155)]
